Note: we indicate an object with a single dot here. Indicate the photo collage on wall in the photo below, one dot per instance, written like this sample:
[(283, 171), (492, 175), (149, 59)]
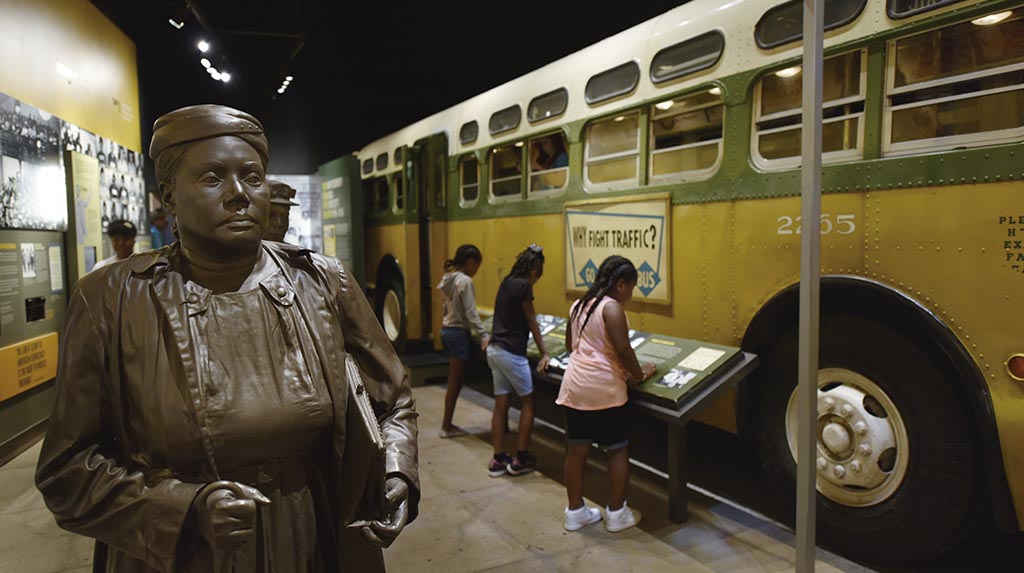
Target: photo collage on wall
[(122, 186), (32, 192)]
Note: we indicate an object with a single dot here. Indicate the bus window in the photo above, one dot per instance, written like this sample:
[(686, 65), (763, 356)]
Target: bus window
[(367, 166), (369, 194), (396, 182), (505, 120), (903, 8), (784, 23), (469, 180), (549, 164), (612, 152), (778, 112), (547, 106), (507, 172), (381, 187), (612, 83), (382, 161), (398, 157), (957, 86), (468, 132), (687, 57), (686, 135)]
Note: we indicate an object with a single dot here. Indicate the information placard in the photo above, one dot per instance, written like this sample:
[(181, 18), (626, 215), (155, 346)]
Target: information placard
[(637, 228), (27, 364)]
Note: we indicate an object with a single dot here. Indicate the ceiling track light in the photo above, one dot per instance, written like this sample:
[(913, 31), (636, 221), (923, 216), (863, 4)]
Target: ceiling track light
[(179, 15), (203, 46)]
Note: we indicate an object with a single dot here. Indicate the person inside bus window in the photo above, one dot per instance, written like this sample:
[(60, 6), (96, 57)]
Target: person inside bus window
[(514, 320), (548, 153)]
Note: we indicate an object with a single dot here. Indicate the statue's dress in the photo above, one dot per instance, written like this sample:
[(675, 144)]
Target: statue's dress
[(228, 386)]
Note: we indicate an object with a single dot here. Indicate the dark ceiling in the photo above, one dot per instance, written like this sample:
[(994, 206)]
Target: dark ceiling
[(361, 70)]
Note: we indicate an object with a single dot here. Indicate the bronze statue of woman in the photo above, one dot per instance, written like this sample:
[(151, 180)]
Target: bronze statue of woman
[(202, 397)]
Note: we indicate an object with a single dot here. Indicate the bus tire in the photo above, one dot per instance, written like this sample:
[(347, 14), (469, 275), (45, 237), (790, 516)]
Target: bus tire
[(390, 307), (916, 492)]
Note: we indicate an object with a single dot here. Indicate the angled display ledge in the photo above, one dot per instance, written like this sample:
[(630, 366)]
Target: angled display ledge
[(690, 374)]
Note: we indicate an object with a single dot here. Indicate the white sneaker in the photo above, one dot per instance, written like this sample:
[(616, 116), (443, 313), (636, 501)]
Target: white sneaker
[(620, 519), (581, 517)]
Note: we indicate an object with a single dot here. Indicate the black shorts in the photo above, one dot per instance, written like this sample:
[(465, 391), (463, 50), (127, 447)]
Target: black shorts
[(608, 428)]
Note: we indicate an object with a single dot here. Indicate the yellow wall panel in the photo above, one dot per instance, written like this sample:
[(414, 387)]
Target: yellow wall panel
[(43, 42)]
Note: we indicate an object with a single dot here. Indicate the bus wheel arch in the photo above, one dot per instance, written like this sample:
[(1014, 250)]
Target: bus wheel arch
[(931, 356), (389, 301)]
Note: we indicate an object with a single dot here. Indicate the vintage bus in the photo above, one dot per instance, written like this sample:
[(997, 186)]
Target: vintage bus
[(921, 400)]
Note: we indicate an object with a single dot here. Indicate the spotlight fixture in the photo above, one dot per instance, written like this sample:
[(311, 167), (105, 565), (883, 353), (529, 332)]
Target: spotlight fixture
[(205, 62), (225, 77), (203, 46), (177, 18), (284, 84)]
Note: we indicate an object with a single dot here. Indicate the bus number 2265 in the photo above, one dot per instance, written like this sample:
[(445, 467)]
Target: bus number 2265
[(842, 225)]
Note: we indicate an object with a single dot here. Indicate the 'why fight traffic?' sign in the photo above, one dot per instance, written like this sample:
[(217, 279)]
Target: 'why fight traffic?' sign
[(636, 228)]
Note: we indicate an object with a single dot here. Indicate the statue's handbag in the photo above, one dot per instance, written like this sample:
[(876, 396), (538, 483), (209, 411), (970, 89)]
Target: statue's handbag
[(363, 464)]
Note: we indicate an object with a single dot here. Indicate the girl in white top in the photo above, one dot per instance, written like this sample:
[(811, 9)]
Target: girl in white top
[(460, 319), (593, 392)]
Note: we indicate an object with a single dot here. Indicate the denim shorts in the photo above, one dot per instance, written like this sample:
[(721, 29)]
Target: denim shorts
[(510, 371), (457, 342)]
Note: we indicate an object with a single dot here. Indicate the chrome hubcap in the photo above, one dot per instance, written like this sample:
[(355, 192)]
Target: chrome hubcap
[(863, 451)]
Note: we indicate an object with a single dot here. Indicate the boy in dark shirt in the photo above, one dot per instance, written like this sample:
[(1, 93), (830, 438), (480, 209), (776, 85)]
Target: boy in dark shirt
[(514, 319)]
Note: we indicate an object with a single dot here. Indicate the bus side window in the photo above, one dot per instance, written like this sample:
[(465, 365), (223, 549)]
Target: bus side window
[(549, 164), (612, 153), (369, 195), (962, 85), (381, 185), (686, 135), (778, 117), (396, 181), (507, 172), (469, 180)]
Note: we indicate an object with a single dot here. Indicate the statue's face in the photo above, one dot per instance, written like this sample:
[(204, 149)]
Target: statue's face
[(278, 222), (220, 197)]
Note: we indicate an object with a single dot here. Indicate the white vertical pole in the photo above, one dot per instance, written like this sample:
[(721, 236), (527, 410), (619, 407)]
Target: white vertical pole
[(810, 275)]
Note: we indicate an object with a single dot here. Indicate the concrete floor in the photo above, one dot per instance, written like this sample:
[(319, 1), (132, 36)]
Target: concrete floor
[(471, 522)]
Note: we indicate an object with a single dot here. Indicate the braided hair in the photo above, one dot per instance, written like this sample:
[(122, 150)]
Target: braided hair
[(530, 259), (462, 254), (608, 274)]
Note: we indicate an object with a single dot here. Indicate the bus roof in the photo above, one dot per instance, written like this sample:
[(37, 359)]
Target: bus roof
[(734, 19)]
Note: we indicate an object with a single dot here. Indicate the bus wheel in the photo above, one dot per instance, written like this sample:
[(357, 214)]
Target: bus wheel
[(898, 470), (390, 306)]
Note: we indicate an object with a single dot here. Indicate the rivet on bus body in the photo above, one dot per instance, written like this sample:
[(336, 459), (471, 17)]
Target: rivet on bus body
[(855, 466), (839, 471), (828, 404), (846, 411), (864, 450), (821, 464), (861, 428)]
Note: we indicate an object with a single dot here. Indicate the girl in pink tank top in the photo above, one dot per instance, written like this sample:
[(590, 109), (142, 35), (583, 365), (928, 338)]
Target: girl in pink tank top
[(594, 392)]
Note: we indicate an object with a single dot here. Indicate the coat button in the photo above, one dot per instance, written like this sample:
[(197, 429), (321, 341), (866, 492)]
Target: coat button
[(192, 298), (281, 291)]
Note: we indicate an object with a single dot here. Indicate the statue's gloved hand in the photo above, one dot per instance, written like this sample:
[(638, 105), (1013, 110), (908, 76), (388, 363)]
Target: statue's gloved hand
[(383, 533), (225, 512)]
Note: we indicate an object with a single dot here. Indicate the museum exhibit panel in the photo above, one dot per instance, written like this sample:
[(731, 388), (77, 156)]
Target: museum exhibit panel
[(675, 143)]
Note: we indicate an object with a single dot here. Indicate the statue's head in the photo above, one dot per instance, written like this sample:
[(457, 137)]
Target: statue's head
[(211, 168)]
